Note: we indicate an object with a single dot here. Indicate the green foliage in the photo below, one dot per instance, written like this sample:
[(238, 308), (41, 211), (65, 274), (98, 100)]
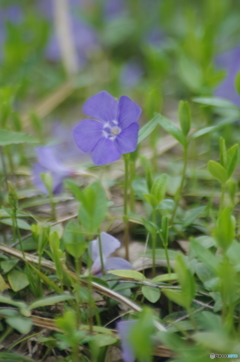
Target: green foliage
[(151, 294), (93, 209), (17, 280), (142, 343), (217, 171), (237, 82), (148, 128), (184, 117), (173, 130), (73, 240), (10, 138), (225, 229), (187, 283), (213, 101)]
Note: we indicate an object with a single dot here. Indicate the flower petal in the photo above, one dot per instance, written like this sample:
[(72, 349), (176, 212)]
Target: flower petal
[(126, 141), (87, 134), (101, 106), (117, 263), (105, 152), (109, 245), (128, 112), (38, 183), (124, 329), (47, 158)]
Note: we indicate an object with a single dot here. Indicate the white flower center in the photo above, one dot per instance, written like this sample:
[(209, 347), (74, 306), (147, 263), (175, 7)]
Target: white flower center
[(115, 131), (111, 130)]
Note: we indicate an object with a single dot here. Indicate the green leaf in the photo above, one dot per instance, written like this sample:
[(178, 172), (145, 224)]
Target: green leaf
[(192, 214), (217, 171), (214, 101), (17, 280), (186, 280), (159, 187), (23, 308), (148, 128), (161, 254), (223, 152), (204, 255), (150, 199), (104, 340), (164, 278), (9, 138), (3, 285), (202, 132), (172, 129), (130, 274), (151, 294), (237, 82), (184, 117), (232, 159), (50, 301), (57, 253), (10, 357), (74, 240), (21, 324), (92, 211), (21, 223), (8, 265), (176, 296), (190, 72), (225, 229)]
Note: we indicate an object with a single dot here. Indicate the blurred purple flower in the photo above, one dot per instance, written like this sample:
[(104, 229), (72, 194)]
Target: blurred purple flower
[(124, 329), (114, 8), (115, 133), (109, 245), (49, 163), (84, 36), (229, 61), (65, 148), (131, 74)]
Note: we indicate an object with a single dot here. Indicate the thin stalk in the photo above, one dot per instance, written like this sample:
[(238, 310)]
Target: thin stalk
[(169, 273), (101, 253), (181, 184), (125, 207), (4, 167), (154, 241), (78, 299), (132, 198), (223, 189), (53, 208), (10, 162)]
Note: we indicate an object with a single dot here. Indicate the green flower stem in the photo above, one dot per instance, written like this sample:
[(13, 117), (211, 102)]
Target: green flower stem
[(101, 253), (53, 208), (4, 167), (223, 189), (125, 207), (78, 299), (169, 273), (179, 192), (132, 197), (154, 241)]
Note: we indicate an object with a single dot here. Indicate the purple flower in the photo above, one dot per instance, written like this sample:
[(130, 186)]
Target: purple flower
[(109, 245), (230, 61), (131, 74), (84, 36), (124, 329), (116, 131), (49, 163)]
